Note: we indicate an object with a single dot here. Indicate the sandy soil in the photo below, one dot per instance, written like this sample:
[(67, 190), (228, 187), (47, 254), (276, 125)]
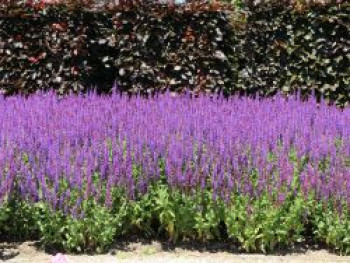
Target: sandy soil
[(154, 252)]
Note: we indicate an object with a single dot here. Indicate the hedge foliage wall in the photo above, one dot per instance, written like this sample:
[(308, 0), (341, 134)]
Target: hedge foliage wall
[(265, 48), (289, 49), (145, 49)]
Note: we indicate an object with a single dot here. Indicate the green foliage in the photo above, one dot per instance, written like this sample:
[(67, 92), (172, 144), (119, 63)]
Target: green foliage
[(175, 214), (261, 226), (332, 228), (239, 4), (17, 221), (141, 215), (95, 231), (187, 216)]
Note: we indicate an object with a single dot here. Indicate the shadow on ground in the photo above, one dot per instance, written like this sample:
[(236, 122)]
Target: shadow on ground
[(142, 245), (8, 251), (134, 243)]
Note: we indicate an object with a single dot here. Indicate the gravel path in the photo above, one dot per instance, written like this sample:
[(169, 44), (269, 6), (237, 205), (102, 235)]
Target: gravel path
[(154, 252)]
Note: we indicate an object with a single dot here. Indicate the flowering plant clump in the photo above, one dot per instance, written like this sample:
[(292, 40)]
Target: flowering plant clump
[(87, 169)]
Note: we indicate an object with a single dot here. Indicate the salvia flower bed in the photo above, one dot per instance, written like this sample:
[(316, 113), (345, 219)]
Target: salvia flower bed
[(82, 171)]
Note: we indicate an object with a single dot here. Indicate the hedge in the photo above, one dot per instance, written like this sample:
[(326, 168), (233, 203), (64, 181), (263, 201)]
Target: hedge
[(287, 49), (149, 48)]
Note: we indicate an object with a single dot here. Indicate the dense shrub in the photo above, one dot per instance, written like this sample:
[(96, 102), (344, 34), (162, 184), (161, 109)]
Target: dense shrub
[(265, 48), (145, 49), (17, 220), (89, 169), (287, 49)]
